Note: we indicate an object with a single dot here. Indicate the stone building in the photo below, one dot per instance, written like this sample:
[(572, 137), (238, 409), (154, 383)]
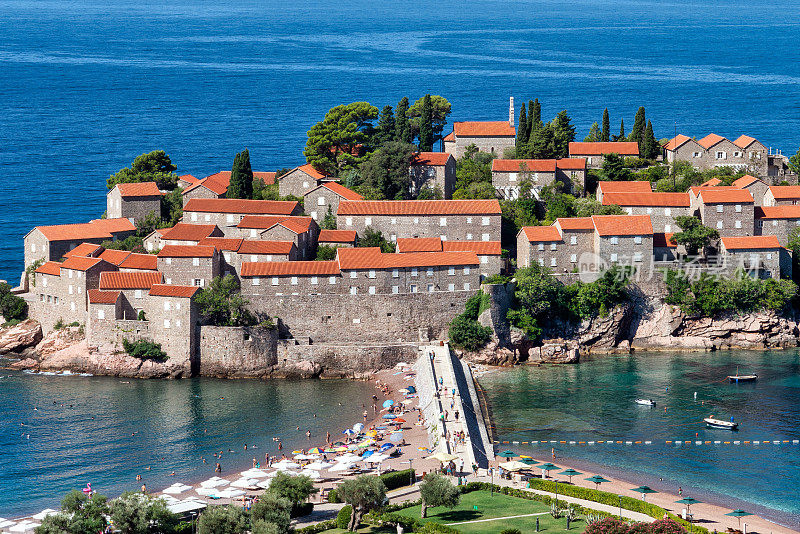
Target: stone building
[(104, 306), (634, 186), (624, 240), (302, 231), (450, 220), (492, 137), (684, 148), (595, 152), (434, 170), (337, 238), (280, 278), (228, 249), (133, 287), (325, 198), (86, 250), (152, 241), (299, 180), (743, 154), (228, 213), (756, 187), (778, 169), (216, 185), (133, 201), (508, 174), (782, 195), (542, 245), (728, 210), (662, 208), (664, 248), (139, 262), (194, 265), (265, 251), (759, 256), (53, 242), (778, 221), (489, 252), (181, 234), (187, 180)]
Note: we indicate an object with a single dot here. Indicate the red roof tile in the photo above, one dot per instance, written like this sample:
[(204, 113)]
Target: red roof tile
[(575, 164), (260, 222), (113, 226), (145, 262), (481, 248), (663, 240), (529, 165), (695, 189), (235, 205), (601, 148), (336, 236), (96, 229), (419, 207), (428, 259), (575, 223), (777, 212), (114, 257), (744, 141), (80, 263), (129, 280), (419, 244), (450, 137), (710, 140), (610, 225), (298, 225), (358, 258), (637, 186), (678, 200), (484, 129), (189, 232), (785, 192), (216, 183), (745, 181), (49, 267), (85, 249), (186, 251), (98, 296), (290, 268), (750, 242), (168, 290), (431, 159), (711, 182), (222, 243), (189, 179), (311, 171), (538, 234), (267, 177), (719, 195), (342, 191), (138, 189), (677, 141), (266, 247)]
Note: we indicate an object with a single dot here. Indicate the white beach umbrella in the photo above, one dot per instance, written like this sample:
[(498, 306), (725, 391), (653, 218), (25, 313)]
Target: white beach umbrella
[(177, 488), (347, 458), (254, 473), (264, 484), (245, 483), (286, 464), (41, 515), (377, 458), (318, 465), (305, 456), (206, 492), (358, 427), (341, 467), (214, 482), (230, 493), (313, 475), (5, 523)]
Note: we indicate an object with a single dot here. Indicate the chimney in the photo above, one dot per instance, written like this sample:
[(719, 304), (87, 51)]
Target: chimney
[(511, 112)]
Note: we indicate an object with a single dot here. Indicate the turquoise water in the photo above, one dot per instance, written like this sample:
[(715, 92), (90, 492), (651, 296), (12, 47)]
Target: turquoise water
[(85, 85), (109, 430), (594, 401)]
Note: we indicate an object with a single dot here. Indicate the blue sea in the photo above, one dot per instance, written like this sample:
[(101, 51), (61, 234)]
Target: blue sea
[(85, 86)]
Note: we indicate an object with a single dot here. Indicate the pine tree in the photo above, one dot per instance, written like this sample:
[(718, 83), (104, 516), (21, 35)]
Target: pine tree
[(401, 127), (606, 133), (621, 130), (639, 125), (386, 125), (241, 182), (522, 127), (650, 147), (426, 125), (563, 134), (594, 134)]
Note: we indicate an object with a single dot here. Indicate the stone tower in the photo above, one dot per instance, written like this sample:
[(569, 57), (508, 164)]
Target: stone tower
[(511, 112)]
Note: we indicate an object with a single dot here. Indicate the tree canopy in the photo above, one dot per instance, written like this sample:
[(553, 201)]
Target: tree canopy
[(79, 514), (295, 489), (222, 304), (386, 171), (333, 143), (693, 235), (274, 509), (241, 182), (222, 520), (155, 166), (374, 238), (439, 108), (614, 168), (386, 126), (138, 513), (437, 490), (363, 493)]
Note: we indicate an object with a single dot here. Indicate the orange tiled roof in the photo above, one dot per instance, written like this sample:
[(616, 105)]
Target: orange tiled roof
[(188, 232), (217, 183), (342, 191), (530, 165), (484, 129), (235, 205), (186, 251), (419, 244), (431, 159), (710, 140), (96, 229), (290, 268), (98, 296), (419, 207), (298, 225), (85, 249), (678, 200), (677, 141), (750, 242), (222, 243), (482, 248), (260, 222), (114, 257), (113, 226), (336, 236), (267, 177), (49, 267), (575, 223), (575, 164), (311, 171), (266, 247), (357, 258), (450, 137), (168, 290), (610, 225), (80, 263), (129, 280), (584, 148), (745, 181), (637, 186), (719, 195), (777, 212), (189, 179), (138, 189), (427, 259), (145, 262), (538, 234), (711, 182), (664, 240), (785, 192), (695, 189), (744, 141)]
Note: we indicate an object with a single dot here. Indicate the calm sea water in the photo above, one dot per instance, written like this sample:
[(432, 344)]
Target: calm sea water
[(595, 401), (87, 85), (58, 433)]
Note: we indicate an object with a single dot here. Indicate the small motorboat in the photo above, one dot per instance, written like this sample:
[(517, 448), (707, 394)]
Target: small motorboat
[(711, 422), (646, 402), (742, 378)]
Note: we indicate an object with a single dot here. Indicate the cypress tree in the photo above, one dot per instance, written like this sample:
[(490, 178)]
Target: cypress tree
[(650, 146), (621, 130), (248, 174), (530, 120), (522, 127), (536, 116), (241, 183), (606, 133), (401, 128), (426, 125), (639, 124), (386, 125)]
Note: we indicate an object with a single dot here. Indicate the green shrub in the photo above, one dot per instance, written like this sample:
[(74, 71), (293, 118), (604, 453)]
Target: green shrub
[(497, 278), (144, 350), (511, 531), (333, 496), (322, 526), (12, 307), (343, 517), (468, 334), (398, 479)]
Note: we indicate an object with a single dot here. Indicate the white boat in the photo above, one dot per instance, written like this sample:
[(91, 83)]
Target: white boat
[(719, 423), (742, 378), (646, 402)]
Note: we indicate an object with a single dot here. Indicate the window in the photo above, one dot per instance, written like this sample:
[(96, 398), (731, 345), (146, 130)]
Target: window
[(485, 221), (79, 290), (208, 217), (321, 201), (552, 246), (348, 221), (469, 237), (168, 261), (466, 286), (443, 237), (393, 238), (72, 306), (353, 290), (166, 305), (198, 282), (393, 221), (166, 323), (70, 289), (416, 220), (294, 280), (737, 154), (637, 239), (637, 256), (720, 155), (573, 258), (697, 155), (137, 294), (353, 274), (737, 224), (371, 290), (44, 280), (469, 220), (614, 240), (367, 221), (33, 247), (274, 281), (614, 257), (177, 305), (150, 247), (69, 272), (227, 256), (552, 262), (484, 259), (196, 262), (101, 314), (331, 280), (451, 271), (169, 281), (769, 255), (466, 269), (485, 237), (253, 233), (719, 225), (305, 185), (573, 240), (649, 211), (194, 216), (229, 218), (430, 288), (442, 221), (429, 271), (371, 274), (668, 211), (667, 228), (541, 262), (512, 177), (253, 257), (719, 208), (630, 211), (414, 271), (178, 323), (395, 273), (413, 288), (738, 208), (541, 246), (314, 280), (395, 290)]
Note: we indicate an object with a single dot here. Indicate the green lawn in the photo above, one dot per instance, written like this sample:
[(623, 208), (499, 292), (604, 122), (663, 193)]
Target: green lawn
[(496, 506)]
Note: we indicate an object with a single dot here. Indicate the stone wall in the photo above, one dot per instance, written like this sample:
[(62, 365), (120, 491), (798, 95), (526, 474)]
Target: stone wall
[(296, 359), (237, 351), (110, 332)]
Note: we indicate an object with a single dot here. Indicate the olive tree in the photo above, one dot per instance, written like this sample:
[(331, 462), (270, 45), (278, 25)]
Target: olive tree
[(363, 493), (437, 490)]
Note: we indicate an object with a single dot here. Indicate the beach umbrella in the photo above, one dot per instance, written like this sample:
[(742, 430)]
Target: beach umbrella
[(245, 483), (367, 454), (317, 466), (644, 490), (738, 514), (527, 460), (399, 420), (304, 457), (442, 457), (514, 466), (547, 467), (507, 454), (688, 501), (597, 479), (396, 437), (175, 489), (349, 432), (214, 482), (411, 389), (358, 427), (286, 464), (385, 447), (310, 473), (388, 403), (341, 467), (315, 450), (376, 458), (570, 473), (347, 458), (49, 511), (406, 402), (403, 391)]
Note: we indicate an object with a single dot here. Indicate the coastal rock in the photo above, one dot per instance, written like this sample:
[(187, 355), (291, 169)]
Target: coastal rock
[(57, 340), (604, 333), (21, 336), (555, 351), (81, 358), (27, 363)]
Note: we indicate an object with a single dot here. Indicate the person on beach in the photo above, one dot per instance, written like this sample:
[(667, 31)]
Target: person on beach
[(680, 491), (280, 445), (144, 488), (365, 416), (218, 468), (328, 438), (308, 435)]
